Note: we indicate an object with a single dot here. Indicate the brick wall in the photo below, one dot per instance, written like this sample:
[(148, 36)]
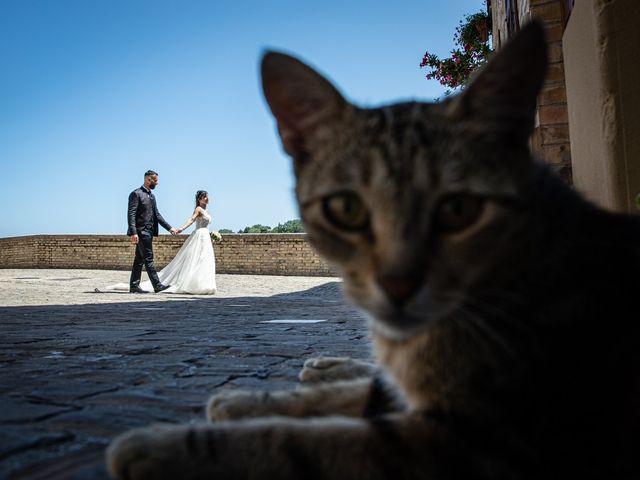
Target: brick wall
[(262, 254), (550, 139)]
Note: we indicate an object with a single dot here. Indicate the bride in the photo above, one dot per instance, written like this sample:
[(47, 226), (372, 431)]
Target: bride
[(193, 269)]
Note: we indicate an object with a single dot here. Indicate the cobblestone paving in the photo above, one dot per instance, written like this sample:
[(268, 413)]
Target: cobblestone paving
[(79, 367)]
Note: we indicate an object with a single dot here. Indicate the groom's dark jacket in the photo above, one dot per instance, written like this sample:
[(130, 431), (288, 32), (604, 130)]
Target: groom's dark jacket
[(143, 213)]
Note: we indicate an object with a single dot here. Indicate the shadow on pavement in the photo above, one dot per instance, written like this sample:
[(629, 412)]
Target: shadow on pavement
[(74, 376)]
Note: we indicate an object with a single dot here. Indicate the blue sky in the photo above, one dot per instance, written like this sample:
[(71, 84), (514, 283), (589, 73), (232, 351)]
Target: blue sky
[(95, 92)]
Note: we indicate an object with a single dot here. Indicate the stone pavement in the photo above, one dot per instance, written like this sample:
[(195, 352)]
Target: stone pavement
[(79, 367)]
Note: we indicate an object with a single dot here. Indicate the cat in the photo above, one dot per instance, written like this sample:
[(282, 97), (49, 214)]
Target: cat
[(501, 305)]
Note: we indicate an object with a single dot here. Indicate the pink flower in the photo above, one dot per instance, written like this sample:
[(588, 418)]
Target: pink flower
[(425, 60)]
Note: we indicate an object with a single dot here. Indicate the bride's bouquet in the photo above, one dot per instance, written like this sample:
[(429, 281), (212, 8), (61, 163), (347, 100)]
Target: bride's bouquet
[(215, 236)]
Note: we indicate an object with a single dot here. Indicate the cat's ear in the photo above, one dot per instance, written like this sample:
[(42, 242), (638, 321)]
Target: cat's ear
[(300, 98), (504, 92)]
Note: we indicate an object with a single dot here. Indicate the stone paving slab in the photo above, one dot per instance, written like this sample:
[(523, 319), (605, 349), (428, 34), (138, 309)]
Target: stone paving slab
[(79, 367)]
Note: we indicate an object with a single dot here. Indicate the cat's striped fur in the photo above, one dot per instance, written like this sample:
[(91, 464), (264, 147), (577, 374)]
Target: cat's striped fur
[(502, 306)]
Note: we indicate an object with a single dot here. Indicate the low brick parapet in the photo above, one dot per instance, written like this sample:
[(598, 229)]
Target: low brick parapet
[(256, 254)]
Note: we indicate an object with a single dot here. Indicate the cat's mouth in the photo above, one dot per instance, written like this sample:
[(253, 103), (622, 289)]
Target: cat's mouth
[(403, 320), (424, 308), (399, 325), (400, 322), (398, 319)]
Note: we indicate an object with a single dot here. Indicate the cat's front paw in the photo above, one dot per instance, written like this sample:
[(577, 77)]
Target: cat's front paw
[(171, 452), (236, 404), (332, 369), (144, 453)]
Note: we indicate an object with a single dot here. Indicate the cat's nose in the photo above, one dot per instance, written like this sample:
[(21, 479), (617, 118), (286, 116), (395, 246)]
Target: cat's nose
[(400, 288)]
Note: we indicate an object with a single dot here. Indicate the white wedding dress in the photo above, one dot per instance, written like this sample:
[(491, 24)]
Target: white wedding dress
[(192, 270)]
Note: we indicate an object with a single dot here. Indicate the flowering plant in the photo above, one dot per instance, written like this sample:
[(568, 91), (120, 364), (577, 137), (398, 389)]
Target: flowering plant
[(215, 236), (472, 37)]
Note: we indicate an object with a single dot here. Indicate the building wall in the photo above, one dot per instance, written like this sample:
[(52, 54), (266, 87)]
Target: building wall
[(499, 19), (603, 84), (550, 140), (264, 254)]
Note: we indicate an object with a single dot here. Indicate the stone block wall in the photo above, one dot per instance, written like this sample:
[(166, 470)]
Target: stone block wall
[(602, 60), (258, 254)]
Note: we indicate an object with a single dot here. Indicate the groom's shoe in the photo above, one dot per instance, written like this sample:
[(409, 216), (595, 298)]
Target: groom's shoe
[(160, 288), (136, 289)]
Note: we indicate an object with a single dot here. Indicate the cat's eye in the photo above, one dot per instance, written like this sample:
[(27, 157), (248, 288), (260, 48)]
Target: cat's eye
[(457, 212), (345, 210)]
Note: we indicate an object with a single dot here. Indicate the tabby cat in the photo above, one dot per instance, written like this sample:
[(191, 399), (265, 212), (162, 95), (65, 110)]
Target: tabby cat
[(502, 306)]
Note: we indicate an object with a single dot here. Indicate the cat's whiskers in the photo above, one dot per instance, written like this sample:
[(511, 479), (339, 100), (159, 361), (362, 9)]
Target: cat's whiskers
[(492, 336), (498, 309), (471, 314)]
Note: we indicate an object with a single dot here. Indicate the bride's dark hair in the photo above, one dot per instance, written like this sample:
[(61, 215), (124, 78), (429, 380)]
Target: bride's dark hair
[(199, 195)]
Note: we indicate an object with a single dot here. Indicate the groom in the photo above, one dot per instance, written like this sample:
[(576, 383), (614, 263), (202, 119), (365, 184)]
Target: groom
[(143, 218)]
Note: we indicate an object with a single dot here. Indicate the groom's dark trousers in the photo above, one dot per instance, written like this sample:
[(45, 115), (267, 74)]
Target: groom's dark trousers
[(144, 257), (143, 218)]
